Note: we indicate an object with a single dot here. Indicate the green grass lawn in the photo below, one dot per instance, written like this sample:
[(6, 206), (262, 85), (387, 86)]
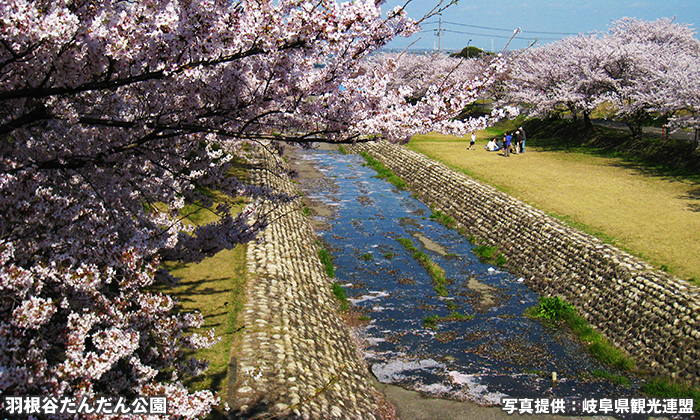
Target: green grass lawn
[(652, 216), (216, 288)]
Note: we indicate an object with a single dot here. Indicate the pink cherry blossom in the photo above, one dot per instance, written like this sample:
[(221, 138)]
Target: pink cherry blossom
[(115, 114), (641, 68)]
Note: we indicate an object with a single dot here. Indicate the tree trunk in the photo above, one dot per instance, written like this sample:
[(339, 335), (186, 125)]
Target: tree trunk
[(587, 120), (635, 123), (574, 114), (636, 129)]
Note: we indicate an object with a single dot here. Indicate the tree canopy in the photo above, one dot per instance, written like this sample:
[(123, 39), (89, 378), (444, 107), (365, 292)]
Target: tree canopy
[(641, 68), (470, 52), (115, 114)]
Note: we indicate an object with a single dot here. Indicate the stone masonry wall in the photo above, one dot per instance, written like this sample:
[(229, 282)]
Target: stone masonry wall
[(294, 343), (654, 316)]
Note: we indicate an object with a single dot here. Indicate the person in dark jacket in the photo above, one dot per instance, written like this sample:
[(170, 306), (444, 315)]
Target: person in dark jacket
[(523, 138)]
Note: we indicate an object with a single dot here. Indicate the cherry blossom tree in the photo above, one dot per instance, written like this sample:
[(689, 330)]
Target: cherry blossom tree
[(115, 114), (562, 76), (649, 66), (420, 71), (642, 68), (427, 93)]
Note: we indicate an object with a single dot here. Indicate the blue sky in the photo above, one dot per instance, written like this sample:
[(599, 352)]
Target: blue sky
[(490, 23)]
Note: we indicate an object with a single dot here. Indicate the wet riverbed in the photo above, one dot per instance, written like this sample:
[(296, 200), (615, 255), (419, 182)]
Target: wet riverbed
[(472, 344)]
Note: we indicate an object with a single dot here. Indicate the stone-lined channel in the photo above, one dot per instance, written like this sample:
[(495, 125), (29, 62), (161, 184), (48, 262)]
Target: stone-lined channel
[(482, 347)]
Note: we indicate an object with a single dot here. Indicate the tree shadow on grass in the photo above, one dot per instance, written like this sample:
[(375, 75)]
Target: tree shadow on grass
[(195, 287), (649, 156), (693, 194)]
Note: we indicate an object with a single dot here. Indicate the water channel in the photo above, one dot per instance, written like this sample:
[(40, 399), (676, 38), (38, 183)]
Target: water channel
[(473, 344)]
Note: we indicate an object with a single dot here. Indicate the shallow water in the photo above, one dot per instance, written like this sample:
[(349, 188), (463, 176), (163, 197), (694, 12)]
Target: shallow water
[(491, 352)]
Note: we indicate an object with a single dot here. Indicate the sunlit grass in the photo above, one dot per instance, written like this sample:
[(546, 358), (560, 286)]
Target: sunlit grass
[(327, 261), (436, 273), (589, 191), (384, 172), (431, 321), (665, 388), (616, 379), (443, 218), (216, 288), (340, 294)]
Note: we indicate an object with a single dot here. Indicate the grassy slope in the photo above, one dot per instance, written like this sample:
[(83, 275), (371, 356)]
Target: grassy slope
[(652, 216), (216, 288)]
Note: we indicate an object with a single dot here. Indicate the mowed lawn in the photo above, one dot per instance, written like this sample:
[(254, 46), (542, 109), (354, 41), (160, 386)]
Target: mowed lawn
[(649, 216)]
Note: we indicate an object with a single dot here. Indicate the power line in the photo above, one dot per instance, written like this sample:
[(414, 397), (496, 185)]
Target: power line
[(497, 36), (510, 30), (501, 29)]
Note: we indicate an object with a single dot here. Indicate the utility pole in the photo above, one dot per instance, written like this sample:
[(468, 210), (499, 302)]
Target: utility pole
[(439, 32)]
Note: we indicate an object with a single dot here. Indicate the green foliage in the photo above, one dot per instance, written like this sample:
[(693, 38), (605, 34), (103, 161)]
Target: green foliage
[(665, 388), (219, 299), (666, 157), (407, 244), (443, 218), (485, 252), (366, 257), (608, 354), (421, 257), (431, 321), (504, 126), (195, 213), (306, 211), (435, 271), (327, 261), (554, 309), (616, 379), (389, 255), (501, 260), (490, 254), (342, 150), (470, 52), (383, 172), (456, 316), (339, 293), (440, 290)]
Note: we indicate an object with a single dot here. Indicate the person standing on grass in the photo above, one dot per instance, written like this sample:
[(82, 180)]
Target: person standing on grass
[(523, 138), (472, 141), (506, 144), (518, 142)]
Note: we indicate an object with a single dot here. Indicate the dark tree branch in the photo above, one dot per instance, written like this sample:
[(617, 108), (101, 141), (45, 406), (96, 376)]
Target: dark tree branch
[(35, 115), (41, 92)]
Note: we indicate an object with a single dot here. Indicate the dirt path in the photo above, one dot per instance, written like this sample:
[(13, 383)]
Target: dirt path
[(654, 218)]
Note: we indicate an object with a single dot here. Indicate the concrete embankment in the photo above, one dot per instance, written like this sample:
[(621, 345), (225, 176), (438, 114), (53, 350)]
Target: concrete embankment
[(296, 358), (655, 317)]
